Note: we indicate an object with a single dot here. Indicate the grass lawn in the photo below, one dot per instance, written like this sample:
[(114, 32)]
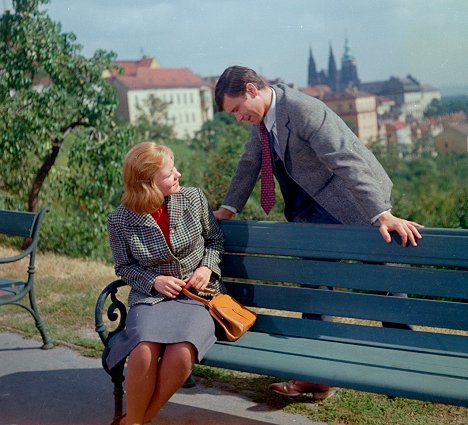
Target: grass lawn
[(67, 290)]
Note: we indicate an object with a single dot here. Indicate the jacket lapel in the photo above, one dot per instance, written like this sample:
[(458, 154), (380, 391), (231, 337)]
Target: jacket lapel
[(176, 205), (282, 121), (137, 220)]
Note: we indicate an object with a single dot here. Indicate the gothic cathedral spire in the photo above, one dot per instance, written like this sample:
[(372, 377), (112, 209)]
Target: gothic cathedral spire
[(312, 71), (333, 77)]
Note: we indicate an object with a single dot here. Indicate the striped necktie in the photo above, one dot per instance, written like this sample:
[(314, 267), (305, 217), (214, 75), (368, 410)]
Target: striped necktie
[(267, 194)]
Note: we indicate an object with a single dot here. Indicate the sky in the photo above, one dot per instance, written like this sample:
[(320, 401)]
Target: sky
[(425, 38)]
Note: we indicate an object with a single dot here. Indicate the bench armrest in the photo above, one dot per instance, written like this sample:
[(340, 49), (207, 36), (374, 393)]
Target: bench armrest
[(117, 310)]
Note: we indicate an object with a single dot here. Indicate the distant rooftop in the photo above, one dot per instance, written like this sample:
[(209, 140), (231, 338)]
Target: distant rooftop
[(148, 78)]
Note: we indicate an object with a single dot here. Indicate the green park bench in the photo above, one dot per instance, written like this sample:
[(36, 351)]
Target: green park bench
[(12, 291), (277, 267)]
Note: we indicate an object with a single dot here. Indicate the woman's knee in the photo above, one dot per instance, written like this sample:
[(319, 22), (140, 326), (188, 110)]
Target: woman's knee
[(146, 350), (185, 351)]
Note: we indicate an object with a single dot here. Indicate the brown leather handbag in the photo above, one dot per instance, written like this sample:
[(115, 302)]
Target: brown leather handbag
[(232, 316)]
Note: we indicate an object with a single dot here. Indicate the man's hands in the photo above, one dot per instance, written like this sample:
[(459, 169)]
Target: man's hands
[(223, 214), (406, 229), (171, 286)]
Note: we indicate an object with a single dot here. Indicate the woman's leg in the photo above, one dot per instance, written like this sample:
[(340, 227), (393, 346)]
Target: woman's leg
[(174, 368), (141, 377)]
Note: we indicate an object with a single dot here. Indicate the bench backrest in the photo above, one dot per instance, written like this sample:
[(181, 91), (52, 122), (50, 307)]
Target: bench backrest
[(274, 265), (22, 223)]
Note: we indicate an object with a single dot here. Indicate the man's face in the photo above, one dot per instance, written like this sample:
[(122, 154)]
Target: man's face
[(248, 107)]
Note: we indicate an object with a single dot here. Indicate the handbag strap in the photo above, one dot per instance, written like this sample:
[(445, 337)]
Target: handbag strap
[(189, 294)]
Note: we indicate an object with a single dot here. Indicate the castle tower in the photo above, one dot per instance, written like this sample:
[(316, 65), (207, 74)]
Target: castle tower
[(349, 75)]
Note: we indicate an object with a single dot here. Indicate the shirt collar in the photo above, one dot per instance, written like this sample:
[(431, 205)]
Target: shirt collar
[(270, 117)]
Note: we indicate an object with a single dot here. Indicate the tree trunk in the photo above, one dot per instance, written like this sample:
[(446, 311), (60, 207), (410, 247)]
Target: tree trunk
[(41, 175)]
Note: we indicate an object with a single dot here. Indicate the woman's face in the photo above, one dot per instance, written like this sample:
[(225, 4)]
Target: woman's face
[(167, 179)]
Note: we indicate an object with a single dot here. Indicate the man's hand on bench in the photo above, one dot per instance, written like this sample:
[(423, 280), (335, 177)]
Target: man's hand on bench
[(406, 229)]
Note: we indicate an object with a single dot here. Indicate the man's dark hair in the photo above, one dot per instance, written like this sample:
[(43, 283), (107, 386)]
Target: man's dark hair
[(233, 81)]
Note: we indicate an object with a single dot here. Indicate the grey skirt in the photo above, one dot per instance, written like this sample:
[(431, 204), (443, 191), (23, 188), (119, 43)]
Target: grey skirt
[(167, 322)]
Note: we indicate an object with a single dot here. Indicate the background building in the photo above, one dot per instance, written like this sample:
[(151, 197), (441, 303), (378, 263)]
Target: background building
[(454, 138), (358, 110), (188, 97)]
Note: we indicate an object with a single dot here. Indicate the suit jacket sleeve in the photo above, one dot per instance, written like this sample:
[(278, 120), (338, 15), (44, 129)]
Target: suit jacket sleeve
[(126, 266), (214, 240), (246, 174)]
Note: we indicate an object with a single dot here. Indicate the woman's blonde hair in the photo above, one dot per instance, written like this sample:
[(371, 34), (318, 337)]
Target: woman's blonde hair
[(140, 167)]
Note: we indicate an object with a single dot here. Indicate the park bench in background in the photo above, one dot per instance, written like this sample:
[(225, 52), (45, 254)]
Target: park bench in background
[(12, 291), (276, 267)]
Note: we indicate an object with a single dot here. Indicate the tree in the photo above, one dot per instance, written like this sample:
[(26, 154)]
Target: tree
[(50, 94), (447, 106), (153, 122)]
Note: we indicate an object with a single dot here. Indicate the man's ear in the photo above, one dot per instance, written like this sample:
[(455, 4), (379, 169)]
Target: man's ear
[(251, 89)]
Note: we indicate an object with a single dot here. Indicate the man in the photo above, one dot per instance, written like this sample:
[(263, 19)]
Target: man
[(325, 173)]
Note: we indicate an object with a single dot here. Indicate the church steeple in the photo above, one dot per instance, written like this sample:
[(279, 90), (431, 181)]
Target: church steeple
[(349, 75), (332, 71), (312, 78)]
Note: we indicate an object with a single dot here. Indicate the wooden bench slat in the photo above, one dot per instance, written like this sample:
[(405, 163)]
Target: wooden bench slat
[(366, 354), (17, 223), (439, 247), (438, 343), (416, 280), (451, 315), (351, 371)]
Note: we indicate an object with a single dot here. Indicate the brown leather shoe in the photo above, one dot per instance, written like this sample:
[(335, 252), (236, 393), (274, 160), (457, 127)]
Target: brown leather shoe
[(294, 388)]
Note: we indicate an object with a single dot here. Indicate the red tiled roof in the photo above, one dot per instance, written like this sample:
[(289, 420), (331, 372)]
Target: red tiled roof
[(316, 91), (345, 95), (130, 67), (397, 125), (147, 78), (383, 99), (455, 117)]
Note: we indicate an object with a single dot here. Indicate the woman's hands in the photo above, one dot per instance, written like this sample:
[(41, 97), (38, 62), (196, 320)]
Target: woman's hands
[(199, 278), (171, 286), (168, 285)]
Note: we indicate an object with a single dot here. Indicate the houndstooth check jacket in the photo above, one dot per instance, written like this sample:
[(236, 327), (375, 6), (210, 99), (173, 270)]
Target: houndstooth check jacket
[(141, 253)]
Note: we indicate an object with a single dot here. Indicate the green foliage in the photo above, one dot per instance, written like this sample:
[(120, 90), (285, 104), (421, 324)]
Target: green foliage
[(431, 191), (446, 106), (49, 91)]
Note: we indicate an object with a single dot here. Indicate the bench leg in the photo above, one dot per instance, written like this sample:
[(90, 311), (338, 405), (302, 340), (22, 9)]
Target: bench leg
[(117, 375), (47, 343)]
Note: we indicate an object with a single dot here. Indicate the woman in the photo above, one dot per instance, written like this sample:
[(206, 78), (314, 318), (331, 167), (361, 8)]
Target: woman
[(163, 237)]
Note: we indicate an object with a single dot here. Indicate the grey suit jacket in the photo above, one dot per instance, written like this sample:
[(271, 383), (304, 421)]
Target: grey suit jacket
[(141, 253), (323, 156)]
